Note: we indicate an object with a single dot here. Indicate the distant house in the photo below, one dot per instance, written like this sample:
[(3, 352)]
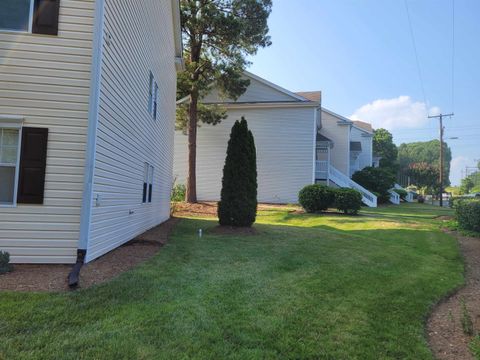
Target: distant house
[(361, 146), (298, 143), (87, 109)]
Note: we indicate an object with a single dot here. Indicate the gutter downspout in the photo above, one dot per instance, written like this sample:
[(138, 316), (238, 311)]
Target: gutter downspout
[(86, 212)]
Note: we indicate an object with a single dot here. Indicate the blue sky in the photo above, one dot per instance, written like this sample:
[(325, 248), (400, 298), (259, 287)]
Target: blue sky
[(360, 54)]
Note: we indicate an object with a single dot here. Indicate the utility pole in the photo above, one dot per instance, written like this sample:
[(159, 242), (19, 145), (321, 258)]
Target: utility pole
[(440, 118)]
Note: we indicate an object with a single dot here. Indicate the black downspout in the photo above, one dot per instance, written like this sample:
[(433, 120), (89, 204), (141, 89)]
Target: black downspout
[(74, 276)]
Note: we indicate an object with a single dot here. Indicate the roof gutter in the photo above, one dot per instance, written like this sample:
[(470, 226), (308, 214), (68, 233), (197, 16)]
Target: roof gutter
[(177, 35)]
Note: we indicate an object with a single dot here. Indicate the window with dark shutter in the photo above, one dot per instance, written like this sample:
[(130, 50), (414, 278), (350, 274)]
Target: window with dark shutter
[(45, 17), (33, 159)]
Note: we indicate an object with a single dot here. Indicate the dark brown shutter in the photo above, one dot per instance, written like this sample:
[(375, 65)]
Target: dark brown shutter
[(33, 159), (45, 17)]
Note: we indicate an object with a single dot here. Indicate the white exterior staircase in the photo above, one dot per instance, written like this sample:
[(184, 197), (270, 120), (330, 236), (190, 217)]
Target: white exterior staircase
[(342, 180), (409, 197)]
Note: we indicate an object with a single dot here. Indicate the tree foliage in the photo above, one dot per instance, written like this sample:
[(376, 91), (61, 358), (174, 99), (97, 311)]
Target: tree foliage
[(238, 201), (425, 152), (384, 147), (424, 175), (377, 180), (218, 37)]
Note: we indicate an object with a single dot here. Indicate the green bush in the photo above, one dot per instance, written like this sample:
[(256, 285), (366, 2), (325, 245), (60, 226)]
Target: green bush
[(467, 213), (5, 265), (178, 193), (376, 180), (402, 193), (348, 200), (238, 198), (314, 198)]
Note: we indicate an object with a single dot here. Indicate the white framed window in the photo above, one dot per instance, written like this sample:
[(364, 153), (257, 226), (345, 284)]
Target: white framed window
[(16, 15), (152, 96), (147, 183), (9, 164)]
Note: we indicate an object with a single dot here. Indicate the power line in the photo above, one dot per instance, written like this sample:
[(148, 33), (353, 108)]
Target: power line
[(453, 55), (416, 57)]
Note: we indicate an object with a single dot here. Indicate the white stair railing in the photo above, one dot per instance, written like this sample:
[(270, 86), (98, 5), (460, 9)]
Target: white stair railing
[(409, 197), (321, 170), (394, 197), (342, 180)]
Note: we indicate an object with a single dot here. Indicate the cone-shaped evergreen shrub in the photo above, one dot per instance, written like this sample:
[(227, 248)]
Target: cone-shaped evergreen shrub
[(238, 200)]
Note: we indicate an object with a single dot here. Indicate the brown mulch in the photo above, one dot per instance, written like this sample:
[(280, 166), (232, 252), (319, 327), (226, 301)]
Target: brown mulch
[(54, 277), (209, 209), (445, 217), (199, 209), (445, 332)]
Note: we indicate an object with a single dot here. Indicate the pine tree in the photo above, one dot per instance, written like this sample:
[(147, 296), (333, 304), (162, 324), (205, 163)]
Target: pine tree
[(219, 37), (238, 202)]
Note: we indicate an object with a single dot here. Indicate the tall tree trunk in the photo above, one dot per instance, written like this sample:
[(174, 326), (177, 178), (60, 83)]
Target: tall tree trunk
[(191, 196)]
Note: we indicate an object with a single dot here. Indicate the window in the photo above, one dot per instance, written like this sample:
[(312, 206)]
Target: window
[(36, 16), (9, 158), (147, 183), (155, 96), (152, 96), (16, 15), (150, 92)]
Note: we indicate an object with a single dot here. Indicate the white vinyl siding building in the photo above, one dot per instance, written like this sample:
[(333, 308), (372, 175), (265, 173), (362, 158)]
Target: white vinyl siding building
[(337, 129), (284, 128), (365, 158), (60, 83), (129, 135), (284, 153), (45, 82)]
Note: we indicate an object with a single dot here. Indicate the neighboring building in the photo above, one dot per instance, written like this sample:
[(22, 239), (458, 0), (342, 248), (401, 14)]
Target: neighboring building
[(283, 125), (87, 109), (298, 143), (361, 146)]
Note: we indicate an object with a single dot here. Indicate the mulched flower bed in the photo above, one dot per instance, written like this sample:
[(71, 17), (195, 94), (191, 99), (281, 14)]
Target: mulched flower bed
[(30, 277), (446, 335)]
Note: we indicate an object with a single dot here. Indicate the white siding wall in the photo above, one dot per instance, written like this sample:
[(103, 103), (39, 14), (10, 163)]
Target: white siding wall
[(46, 79), (340, 135), (284, 142), (256, 92), (141, 41), (365, 158)]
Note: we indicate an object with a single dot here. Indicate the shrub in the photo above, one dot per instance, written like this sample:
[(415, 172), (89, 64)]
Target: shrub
[(178, 193), (376, 180), (467, 213), (402, 193), (5, 265), (314, 198), (348, 200), (238, 198)]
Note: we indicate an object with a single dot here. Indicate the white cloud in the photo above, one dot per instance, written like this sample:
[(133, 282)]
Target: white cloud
[(457, 166), (396, 113)]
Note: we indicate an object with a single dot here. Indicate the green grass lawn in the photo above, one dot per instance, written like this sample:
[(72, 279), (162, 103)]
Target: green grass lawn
[(305, 287)]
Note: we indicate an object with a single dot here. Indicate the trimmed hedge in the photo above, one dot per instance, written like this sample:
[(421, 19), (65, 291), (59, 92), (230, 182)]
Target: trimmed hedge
[(315, 198), (467, 213), (5, 265), (348, 200)]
